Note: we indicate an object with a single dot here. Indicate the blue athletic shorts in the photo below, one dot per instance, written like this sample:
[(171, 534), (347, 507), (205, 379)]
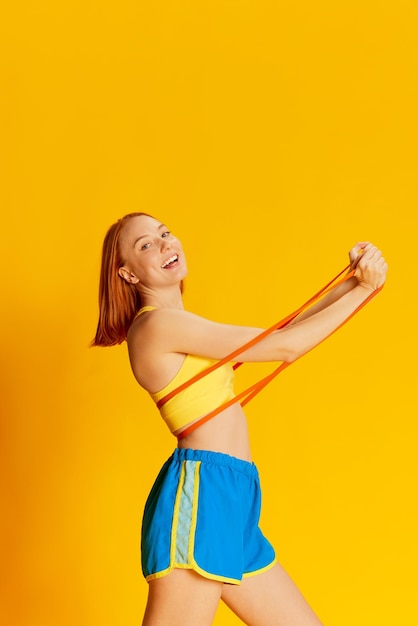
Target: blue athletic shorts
[(202, 514)]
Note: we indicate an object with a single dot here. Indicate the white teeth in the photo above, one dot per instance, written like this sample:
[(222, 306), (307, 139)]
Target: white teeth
[(170, 260)]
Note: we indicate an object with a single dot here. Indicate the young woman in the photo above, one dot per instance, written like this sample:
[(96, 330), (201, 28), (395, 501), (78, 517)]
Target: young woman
[(200, 539)]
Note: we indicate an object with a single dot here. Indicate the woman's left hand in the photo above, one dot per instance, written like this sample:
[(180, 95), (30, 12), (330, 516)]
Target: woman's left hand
[(356, 253)]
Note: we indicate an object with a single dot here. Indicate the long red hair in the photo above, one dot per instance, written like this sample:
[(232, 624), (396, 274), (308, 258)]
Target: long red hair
[(119, 301)]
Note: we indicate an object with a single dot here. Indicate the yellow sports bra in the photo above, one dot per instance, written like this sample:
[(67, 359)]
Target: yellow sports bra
[(200, 398)]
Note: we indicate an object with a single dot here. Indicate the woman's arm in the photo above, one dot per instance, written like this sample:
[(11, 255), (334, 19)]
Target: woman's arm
[(168, 330), (341, 289)]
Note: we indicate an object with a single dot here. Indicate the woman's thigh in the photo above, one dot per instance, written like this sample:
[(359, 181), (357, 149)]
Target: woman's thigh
[(269, 599), (182, 598)]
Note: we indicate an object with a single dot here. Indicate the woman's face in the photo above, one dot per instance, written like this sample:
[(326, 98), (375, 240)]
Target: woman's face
[(151, 255)]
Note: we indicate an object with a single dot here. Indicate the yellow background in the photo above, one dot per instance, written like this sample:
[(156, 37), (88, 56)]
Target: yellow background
[(270, 136)]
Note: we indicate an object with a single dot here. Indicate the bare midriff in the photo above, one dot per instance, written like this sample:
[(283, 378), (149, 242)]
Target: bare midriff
[(226, 433)]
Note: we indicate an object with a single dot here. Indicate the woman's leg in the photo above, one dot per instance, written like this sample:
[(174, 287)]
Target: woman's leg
[(269, 599), (182, 598)]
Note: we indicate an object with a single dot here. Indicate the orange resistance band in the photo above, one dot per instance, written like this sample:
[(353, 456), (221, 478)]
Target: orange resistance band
[(245, 396)]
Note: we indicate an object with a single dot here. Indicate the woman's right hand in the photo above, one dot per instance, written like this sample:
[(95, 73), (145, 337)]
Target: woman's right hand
[(371, 268)]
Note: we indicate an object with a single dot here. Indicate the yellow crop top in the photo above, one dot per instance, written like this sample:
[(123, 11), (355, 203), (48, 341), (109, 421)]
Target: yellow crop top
[(200, 398)]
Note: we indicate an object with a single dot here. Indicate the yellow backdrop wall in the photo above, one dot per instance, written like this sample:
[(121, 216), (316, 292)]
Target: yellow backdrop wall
[(270, 136)]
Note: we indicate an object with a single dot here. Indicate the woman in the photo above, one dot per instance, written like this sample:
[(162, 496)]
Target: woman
[(201, 541)]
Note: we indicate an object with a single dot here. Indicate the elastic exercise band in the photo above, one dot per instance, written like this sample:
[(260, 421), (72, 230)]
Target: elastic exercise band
[(245, 396)]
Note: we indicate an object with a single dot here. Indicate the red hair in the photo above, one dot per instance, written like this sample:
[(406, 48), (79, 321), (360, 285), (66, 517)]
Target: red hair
[(119, 301)]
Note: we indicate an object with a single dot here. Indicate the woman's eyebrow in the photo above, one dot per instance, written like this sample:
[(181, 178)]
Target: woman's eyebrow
[(142, 236)]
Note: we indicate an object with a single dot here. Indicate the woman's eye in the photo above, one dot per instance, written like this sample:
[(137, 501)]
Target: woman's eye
[(145, 246), (166, 233)]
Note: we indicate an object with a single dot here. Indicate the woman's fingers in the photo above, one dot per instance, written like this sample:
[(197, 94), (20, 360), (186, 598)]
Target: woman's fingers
[(371, 267), (356, 253), (369, 264), (371, 253)]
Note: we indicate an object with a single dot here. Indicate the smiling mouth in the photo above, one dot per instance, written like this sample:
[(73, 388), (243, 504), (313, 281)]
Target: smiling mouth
[(170, 262)]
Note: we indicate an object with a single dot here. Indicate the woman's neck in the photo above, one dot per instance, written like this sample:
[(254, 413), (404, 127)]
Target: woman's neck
[(166, 299)]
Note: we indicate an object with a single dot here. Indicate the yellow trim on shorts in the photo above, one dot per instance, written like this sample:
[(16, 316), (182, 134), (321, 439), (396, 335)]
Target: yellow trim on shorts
[(176, 515), (195, 568), (261, 570), (194, 513)]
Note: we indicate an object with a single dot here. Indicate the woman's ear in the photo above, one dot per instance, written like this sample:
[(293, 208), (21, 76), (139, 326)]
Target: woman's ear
[(128, 276)]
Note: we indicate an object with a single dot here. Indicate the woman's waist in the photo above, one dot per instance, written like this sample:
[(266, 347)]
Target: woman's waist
[(227, 432)]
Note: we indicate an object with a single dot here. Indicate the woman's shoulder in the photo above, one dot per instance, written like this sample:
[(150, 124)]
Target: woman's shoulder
[(152, 324), (152, 358)]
